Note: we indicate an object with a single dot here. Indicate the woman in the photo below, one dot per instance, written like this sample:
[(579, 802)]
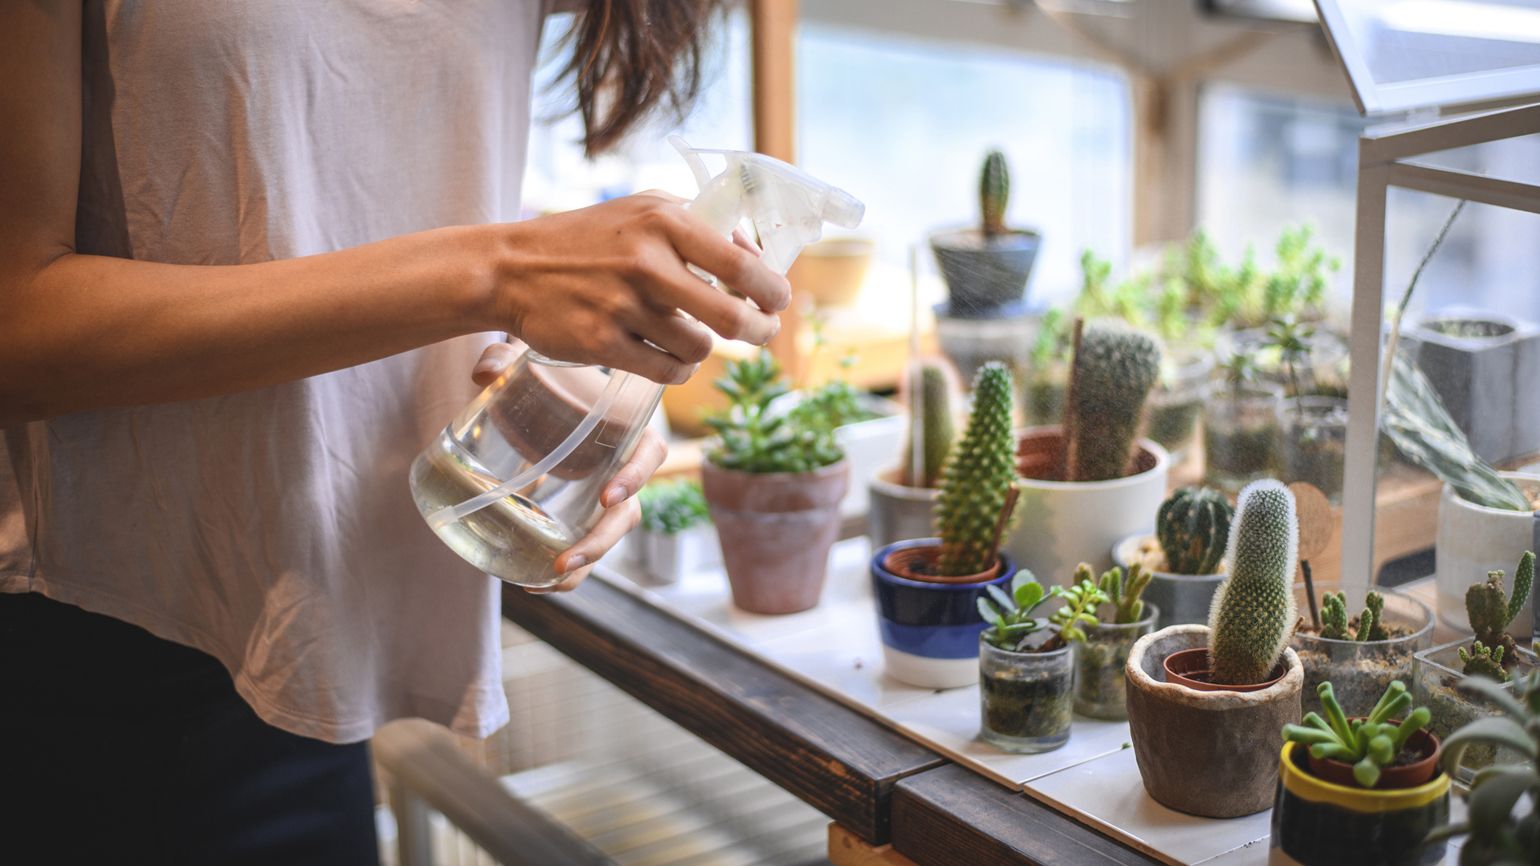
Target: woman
[(250, 254)]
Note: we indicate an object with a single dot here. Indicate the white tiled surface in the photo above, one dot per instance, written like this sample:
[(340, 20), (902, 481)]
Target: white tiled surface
[(835, 648)]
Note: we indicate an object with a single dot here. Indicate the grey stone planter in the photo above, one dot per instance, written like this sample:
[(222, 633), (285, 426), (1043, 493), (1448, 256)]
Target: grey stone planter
[(1182, 598), (896, 512), (984, 275), (1486, 377)]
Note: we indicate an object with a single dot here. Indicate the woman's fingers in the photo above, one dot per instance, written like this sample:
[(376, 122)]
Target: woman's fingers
[(632, 354), (649, 454), (732, 263), (493, 361), (742, 239), (678, 335), (612, 525)]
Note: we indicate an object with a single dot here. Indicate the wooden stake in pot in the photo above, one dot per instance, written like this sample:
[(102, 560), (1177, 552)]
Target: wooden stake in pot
[(1316, 527), (1071, 429)]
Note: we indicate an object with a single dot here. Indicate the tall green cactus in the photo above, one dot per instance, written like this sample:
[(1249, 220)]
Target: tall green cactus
[(1491, 610), (1114, 371), (1253, 610), (976, 482), (1193, 527), (994, 193), (1371, 623), (936, 429)]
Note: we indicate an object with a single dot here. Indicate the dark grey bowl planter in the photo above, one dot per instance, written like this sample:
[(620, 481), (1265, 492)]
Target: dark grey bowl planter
[(984, 275), (1481, 376)]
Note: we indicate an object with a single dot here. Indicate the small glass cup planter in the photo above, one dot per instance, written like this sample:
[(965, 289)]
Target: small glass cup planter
[(1026, 698), (1315, 442), (1176, 404), (1360, 671), (1435, 686), (1240, 434), (1099, 663)]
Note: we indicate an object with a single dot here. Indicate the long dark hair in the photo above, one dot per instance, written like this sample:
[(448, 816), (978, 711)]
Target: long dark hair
[(633, 57)]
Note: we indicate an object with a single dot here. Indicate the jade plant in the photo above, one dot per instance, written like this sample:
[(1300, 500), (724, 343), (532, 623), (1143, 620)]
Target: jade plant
[(1012, 614), (1124, 593), (1369, 744), (1253, 610), (1081, 600), (1114, 369), (973, 506), (1335, 624), (752, 438), (1491, 610), (1193, 527), (933, 400), (994, 193)]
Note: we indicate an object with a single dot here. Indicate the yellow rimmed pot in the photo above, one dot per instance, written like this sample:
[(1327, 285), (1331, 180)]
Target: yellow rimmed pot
[(1320, 823)]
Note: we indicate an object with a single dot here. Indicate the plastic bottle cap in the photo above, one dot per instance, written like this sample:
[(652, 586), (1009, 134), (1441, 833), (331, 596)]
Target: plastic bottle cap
[(843, 209)]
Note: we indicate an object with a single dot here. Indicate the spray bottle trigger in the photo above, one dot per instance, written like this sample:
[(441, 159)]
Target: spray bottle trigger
[(692, 159)]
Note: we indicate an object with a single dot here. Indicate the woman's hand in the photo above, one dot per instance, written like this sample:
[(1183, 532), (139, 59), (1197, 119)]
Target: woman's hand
[(606, 285), (621, 510)]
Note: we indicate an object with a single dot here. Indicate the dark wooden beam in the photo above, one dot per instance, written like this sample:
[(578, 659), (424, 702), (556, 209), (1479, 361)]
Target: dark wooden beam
[(826, 754)]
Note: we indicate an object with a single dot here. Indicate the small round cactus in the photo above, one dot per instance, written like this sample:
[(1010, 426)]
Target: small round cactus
[(1193, 527), (977, 481), (994, 193), (1115, 368), (1253, 611)]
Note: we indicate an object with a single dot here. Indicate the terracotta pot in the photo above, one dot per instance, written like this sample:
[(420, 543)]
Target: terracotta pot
[(1408, 776), (1190, 667), (776, 530), (1212, 754), (919, 564)]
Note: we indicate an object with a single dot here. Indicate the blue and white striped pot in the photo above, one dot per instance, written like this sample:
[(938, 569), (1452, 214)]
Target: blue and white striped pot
[(930, 631)]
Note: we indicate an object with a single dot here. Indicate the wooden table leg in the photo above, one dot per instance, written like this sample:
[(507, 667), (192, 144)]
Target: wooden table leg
[(848, 849)]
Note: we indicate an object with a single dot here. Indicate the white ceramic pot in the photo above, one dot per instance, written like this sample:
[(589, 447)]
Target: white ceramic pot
[(870, 446), (1473, 540), (667, 558), (1060, 524)]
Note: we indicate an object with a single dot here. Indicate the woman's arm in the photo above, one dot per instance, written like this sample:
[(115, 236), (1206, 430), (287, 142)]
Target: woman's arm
[(602, 285)]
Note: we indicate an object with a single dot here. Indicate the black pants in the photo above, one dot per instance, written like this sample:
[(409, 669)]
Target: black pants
[(119, 747)]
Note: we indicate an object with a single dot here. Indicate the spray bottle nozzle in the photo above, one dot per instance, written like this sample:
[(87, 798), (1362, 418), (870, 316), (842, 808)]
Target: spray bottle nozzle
[(843, 209)]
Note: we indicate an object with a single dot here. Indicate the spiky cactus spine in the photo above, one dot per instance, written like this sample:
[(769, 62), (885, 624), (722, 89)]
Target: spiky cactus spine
[(936, 428), (1114, 371), (1484, 661), (1193, 527), (1491, 609), (1371, 623), (977, 479), (994, 193), (1334, 616), (1253, 610)]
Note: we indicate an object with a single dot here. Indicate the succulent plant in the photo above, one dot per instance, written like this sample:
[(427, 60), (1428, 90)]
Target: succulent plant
[(933, 400), (994, 193), (1336, 626), (1193, 527), (977, 480), (751, 438), (1123, 593), (1483, 661), (1491, 610), (672, 506), (1011, 613), (1369, 744), (1253, 609), (1080, 602), (1114, 370)]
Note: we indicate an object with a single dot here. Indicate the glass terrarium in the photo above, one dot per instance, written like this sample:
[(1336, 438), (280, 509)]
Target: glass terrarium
[(1439, 672), (1026, 698), (1176, 403), (1359, 671), (1314, 442), (1240, 434), (1099, 661)]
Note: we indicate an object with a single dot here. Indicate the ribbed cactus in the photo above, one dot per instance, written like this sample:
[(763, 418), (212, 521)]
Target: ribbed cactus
[(934, 403), (1193, 527), (1253, 610), (1484, 661), (1114, 371), (1491, 610), (1123, 593), (994, 193), (976, 482), (1334, 618)]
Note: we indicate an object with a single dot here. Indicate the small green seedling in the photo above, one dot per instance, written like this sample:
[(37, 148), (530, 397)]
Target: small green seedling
[(1011, 613), (1079, 610), (1368, 744)]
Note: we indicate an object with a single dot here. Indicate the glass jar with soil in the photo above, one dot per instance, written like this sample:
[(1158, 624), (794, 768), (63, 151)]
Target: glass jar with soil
[(1240, 434), (1315, 442), (1099, 661), (1435, 685), (1026, 698), (1171, 415), (1360, 671)]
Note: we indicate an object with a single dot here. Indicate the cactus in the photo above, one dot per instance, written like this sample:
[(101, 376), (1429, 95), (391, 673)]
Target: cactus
[(1114, 371), (1484, 661), (1193, 527), (1491, 610), (1123, 593), (936, 430), (977, 480), (994, 193), (1369, 745), (1253, 610), (1334, 618)]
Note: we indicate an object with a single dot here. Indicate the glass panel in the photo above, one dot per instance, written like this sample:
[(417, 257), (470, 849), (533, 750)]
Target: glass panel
[(1515, 159)]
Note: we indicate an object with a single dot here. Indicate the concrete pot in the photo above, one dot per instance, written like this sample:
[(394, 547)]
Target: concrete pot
[(982, 274), (1212, 754), (896, 512), (930, 630), (1472, 540), (970, 343), (1182, 598), (668, 558), (776, 530), (1485, 378), (1063, 523)]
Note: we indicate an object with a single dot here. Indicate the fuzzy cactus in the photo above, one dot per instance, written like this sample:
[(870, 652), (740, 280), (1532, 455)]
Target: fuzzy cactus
[(1124, 593), (977, 480), (1484, 661), (1115, 368), (1193, 527), (1491, 609), (994, 193), (933, 400), (1253, 610), (1335, 624)]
